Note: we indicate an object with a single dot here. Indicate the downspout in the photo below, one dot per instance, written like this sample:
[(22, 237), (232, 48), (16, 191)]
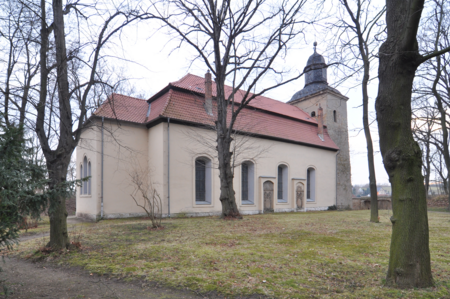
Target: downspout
[(101, 207), (168, 166), (337, 177)]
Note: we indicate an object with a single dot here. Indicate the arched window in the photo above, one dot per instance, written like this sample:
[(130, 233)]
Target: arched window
[(247, 182), (313, 114), (85, 174), (203, 180), (311, 184), (334, 116), (89, 174), (81, 176), (282, 183), (85, 171)]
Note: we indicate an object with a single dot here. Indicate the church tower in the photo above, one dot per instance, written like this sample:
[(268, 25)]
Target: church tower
[(315, 94)]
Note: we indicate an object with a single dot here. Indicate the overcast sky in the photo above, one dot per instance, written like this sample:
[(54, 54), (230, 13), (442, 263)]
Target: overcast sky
[(152, 63)]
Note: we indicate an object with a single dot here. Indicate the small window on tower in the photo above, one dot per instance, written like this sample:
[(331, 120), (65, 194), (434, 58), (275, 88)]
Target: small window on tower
[(334, 116), (313, 114)]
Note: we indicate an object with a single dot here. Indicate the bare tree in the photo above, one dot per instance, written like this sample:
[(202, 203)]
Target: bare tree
[(424, 124), (20, 62), (145, 195), (441, 169), (359, 29), (399, 58), (239, 42), (441, 83), (432, 87), (72, 37)]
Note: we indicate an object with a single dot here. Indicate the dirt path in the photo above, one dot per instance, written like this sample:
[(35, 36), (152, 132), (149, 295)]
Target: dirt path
[(24, 279)]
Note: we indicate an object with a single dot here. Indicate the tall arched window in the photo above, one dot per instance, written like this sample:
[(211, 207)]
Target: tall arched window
[(85, 171), (81, 176), (311, 184), (203, 180), (90, 178), (334, 116), (247, 182), (282, 183)]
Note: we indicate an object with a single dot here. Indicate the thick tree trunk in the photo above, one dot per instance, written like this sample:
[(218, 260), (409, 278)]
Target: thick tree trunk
[(59, 237), (57, 160), (224, 139), (409, 261), (227, 194)]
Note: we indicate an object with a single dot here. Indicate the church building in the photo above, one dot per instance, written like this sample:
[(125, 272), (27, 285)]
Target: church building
[(290, 156)]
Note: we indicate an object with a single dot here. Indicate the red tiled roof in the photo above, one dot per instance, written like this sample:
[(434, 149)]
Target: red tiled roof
[(189, 106), (197, 84), (124, 108)]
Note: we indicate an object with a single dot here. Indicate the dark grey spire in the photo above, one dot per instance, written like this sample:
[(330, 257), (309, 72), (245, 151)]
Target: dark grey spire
[(316, 69), (315, 76)]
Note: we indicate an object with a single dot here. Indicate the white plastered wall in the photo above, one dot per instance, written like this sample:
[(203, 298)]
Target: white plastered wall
[(125, 146), (129, 144), (266, 156), (88, 146)]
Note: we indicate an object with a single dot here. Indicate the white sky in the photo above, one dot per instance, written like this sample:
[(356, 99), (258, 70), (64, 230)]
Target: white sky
[(153, 68)]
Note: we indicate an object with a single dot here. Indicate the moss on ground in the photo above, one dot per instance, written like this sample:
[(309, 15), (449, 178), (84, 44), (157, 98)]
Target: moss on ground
[(284, 255)]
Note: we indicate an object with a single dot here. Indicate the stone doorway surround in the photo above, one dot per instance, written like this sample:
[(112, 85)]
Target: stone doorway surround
[(299, 199), (265, 184), (268, 196)]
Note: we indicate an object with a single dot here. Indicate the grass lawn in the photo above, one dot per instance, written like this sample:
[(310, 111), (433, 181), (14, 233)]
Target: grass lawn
[(438, 209), (285, 255)]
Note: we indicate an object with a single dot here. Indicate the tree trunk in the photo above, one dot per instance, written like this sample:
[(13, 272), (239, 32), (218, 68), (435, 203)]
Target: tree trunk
[(409, 261), (364, 52), (428, 164), (224, 139), (444, 182), (372, 177), (59, 237), (227, 194), (58, 160), (448, 208)]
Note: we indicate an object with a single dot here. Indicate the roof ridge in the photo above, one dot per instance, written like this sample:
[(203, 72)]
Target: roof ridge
[(123, 95), (103, 105), (182, 78), (253, 103)]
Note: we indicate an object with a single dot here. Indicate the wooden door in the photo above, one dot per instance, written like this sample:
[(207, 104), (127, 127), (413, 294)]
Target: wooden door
[(268, 196)]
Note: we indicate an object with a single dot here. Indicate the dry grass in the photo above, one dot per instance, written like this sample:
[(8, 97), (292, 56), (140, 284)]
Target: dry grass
[(292, 255)]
